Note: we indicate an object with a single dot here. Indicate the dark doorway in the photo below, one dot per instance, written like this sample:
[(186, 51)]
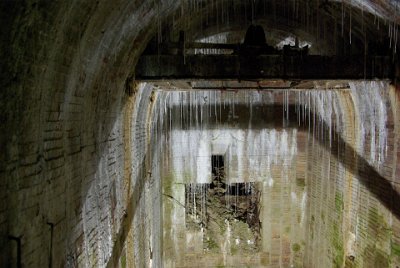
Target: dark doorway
[(217, 172), (217, 165)]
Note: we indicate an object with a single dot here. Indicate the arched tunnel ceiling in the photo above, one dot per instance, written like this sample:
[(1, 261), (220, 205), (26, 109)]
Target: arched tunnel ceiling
[(328, 25)]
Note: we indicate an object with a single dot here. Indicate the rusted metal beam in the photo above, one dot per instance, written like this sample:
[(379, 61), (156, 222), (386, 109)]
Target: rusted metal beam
[(262, 67)]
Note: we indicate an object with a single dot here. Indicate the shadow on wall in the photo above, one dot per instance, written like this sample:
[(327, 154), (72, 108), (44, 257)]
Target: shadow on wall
[(142, 174), (377, 184), (127, 221)]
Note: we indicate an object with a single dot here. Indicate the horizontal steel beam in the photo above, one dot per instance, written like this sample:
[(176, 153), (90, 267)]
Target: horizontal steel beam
[(228, 67), (199, 45)]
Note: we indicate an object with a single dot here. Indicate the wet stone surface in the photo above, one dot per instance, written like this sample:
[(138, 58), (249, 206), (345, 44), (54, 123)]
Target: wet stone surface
[(217, 207)]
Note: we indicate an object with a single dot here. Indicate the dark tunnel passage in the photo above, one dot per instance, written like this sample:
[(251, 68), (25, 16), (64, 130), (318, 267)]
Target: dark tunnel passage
[(97, 169)]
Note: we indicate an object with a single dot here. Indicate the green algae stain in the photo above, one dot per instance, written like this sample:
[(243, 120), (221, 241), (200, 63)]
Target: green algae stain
[(300, 182), (378, 224), (339, 204), (338, 250), (167, 183), (395, 253), (211, 244), (374, 257), (296, 247), (395, 249), (123, 261), (382, 259), (337, 238)]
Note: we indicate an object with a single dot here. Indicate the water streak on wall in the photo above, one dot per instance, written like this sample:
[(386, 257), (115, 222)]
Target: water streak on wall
[(311, 155)]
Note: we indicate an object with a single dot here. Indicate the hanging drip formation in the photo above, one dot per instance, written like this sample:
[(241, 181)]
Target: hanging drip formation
[(320, 112), (318, 18)]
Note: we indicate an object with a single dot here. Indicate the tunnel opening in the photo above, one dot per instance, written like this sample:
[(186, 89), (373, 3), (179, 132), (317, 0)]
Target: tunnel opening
[(292, 173), (301, 182)]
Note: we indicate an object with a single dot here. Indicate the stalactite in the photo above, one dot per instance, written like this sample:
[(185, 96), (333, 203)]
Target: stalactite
[(343, 15), (350, 15)]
